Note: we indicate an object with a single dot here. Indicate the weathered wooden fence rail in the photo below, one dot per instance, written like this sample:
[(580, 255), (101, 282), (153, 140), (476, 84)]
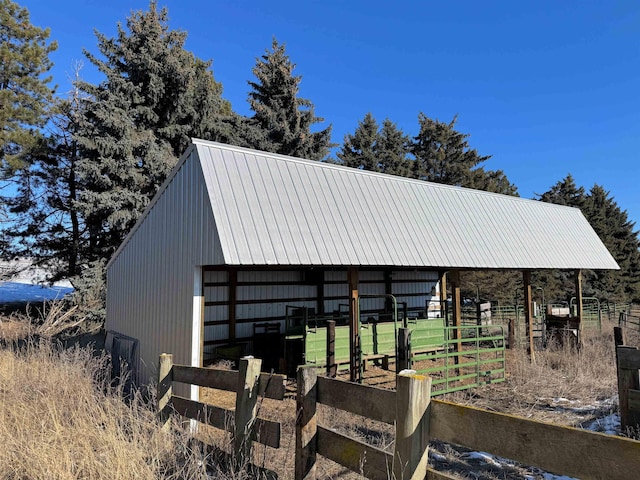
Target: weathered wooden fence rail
[(417, 419), (248, 384), (562, 450), (406, 408)]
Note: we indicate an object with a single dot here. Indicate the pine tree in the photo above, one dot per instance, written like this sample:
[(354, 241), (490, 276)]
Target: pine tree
[(359, 148), (46, 217), (617, 233), (379, 149), (139, 120), (285, 118), (491, 181), (565, 192), (25, 96), (442, 154), (391, 150)]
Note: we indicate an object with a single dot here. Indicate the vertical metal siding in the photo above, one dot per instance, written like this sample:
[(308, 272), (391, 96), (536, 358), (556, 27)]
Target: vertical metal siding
[(150, 282)]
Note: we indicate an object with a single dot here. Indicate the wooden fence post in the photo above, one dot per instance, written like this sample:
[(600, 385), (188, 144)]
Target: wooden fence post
[(332, 368), (622, 318), (628, 379), (306, 424), (618, 337), (413, 395), (511, 334), (403, 362), (246, 405), (165, 390)]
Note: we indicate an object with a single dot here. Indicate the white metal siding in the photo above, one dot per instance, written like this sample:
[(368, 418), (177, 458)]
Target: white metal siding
[(150, 280), (418, 288)]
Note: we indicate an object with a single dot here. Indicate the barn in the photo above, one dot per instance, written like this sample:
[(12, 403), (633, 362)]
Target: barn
[(240, 246)]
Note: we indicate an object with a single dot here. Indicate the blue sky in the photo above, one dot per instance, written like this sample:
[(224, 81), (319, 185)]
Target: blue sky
[(546, 87)]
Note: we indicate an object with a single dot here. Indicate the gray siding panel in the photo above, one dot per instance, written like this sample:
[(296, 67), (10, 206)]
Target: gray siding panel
[(151, 279)]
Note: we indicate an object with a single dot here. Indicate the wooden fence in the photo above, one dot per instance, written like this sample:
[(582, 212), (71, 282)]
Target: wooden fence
[(248, 383), (628, 364), (558, 449), (417, 419), (406, 408)]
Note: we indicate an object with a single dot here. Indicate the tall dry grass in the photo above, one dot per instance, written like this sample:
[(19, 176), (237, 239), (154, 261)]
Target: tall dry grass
[(563, 385), (60, 420)]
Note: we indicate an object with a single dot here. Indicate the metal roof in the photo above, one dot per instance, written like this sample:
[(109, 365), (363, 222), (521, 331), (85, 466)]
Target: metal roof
[(277, 210)]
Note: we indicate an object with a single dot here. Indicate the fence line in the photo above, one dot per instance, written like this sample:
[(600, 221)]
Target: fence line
[(248, 384), (627, 320), (417, 419), (407, 409)]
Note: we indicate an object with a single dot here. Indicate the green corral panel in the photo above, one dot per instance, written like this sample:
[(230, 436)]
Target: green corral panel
[(375, 339)]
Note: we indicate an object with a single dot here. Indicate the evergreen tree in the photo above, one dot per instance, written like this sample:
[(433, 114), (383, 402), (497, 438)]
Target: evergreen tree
[(391, 150), (285, 118), (25, 96), (617, 233), (359, 148), (443, 155), (379, 149), (47, 221), (565, 192), (491, 181), (138, 121)]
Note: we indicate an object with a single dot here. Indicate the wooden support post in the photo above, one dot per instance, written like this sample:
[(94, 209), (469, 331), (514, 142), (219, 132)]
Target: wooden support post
[(403, 362), (306, 424), (354, 325), (165, 389), (410, 456), (443, 296), (511, 335), (579, 304), (332, 367), (233, 297), (528, 313), (246, 406)]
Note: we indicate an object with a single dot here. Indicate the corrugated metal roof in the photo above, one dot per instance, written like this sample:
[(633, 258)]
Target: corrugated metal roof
[(276, 210)]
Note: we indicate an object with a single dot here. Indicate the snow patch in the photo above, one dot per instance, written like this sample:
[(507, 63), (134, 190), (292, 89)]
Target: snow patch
[(484, 457), (27, 292), (609, 425)]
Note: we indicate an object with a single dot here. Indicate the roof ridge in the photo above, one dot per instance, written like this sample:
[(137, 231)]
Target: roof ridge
[(358, 171)]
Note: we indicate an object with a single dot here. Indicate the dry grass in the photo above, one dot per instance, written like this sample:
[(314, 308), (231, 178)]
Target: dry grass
[(563, 385), (14, 328), (57, 422), (59, 419)]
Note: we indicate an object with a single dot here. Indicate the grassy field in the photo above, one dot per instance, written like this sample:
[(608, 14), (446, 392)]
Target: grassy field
[(61, 419)]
